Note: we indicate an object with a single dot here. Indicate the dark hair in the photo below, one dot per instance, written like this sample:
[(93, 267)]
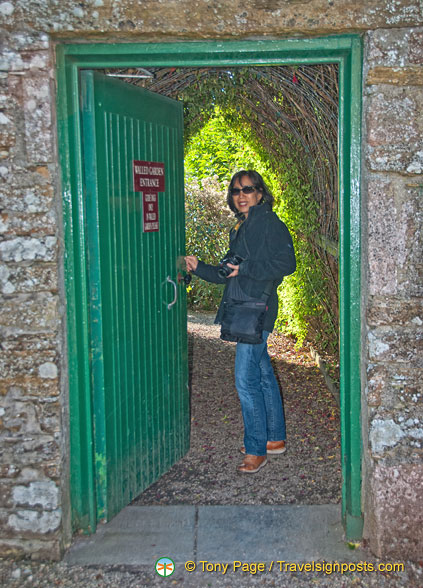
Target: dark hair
[(257, 182)]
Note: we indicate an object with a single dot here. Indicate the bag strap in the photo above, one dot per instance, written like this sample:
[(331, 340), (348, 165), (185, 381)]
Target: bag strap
[(267, 291), (269, 285)]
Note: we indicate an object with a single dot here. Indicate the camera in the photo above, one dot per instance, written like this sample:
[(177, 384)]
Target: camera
[(224, 270)]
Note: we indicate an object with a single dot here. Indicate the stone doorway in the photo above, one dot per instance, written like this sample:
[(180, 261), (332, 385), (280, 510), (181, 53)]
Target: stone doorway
[(347, 52)]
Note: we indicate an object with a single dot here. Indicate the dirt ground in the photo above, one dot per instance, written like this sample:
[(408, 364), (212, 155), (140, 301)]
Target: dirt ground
[(310, 470)]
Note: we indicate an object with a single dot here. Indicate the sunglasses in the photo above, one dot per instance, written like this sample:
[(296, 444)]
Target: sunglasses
[(244, 190)]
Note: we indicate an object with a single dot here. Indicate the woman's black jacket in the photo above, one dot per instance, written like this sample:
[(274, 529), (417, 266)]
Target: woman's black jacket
[(265, 245)]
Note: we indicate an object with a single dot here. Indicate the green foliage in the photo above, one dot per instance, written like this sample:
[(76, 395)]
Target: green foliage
[(212, 156), (225, 144), (208, 221), (303, 308), (218, 150), (301, 299), (205, 95)]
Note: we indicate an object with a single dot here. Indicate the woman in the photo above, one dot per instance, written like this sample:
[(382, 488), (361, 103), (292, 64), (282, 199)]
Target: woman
[(263, 244)]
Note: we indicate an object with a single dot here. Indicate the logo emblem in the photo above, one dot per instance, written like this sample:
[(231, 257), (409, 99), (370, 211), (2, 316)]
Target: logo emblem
[(165, 566)]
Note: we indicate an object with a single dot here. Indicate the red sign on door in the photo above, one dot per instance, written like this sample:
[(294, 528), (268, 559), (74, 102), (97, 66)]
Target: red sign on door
[(151, 212), (149, 176)]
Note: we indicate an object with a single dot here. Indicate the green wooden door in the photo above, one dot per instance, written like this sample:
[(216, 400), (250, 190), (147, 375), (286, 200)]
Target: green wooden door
[(137, 308)]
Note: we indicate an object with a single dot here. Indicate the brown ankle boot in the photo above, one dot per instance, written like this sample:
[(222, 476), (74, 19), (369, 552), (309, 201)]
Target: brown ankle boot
[(272, 448), (276, 447), (252, 464)]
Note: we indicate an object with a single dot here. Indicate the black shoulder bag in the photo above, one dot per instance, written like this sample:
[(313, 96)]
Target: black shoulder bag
[(243, 320)]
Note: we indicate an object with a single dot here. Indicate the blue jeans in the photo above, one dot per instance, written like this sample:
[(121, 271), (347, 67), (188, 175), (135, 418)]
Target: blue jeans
[(258, 391)]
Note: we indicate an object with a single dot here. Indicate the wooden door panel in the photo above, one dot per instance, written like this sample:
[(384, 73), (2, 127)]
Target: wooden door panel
[(139, 348)]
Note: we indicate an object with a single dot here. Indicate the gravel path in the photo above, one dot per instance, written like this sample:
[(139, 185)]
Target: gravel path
[(51, 575), (308, 473)]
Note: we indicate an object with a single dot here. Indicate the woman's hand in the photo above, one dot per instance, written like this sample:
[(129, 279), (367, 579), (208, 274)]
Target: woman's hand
[(192, 263), (235, 269)]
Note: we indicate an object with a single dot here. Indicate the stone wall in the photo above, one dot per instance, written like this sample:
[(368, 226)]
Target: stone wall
[(207, 18), (34, 504), (30, 320), (394, 320)]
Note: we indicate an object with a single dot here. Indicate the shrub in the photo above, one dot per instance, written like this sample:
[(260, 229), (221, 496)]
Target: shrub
[(208, 221)]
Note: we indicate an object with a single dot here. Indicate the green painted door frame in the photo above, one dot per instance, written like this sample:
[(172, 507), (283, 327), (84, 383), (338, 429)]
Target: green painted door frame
[(345, 50)]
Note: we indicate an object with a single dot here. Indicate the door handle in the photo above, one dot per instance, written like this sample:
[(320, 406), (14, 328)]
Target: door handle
[(169, 279)]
